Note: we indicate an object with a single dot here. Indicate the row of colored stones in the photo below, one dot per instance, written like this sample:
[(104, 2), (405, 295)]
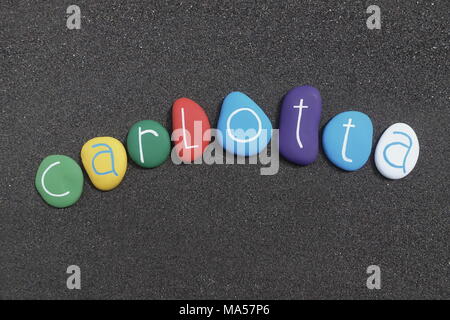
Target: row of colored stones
[(244, 130)]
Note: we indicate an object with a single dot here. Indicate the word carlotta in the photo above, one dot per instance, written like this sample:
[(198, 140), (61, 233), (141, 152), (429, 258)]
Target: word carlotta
[(244, 130)]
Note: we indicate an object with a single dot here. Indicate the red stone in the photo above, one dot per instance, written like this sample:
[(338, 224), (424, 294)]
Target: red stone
[(191, 136)]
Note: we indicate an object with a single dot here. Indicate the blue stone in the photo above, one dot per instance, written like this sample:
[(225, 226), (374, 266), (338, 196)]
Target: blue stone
[(347, 140), (244, 129)]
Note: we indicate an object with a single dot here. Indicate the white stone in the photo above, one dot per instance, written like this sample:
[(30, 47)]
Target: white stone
[(397, 151)]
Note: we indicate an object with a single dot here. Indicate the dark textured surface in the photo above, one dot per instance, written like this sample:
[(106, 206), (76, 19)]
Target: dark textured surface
[(223, 231)]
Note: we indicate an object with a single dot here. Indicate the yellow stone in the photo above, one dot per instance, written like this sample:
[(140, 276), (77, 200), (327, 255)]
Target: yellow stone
[(105, 161)]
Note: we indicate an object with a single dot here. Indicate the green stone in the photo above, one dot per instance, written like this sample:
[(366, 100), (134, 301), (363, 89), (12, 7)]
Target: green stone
[(148, 143), (59, 181)]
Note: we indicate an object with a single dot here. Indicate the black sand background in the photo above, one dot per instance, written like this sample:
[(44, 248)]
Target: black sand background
[(223, 231)]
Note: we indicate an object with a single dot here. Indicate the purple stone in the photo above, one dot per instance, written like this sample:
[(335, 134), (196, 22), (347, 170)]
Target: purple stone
[(299, 125)]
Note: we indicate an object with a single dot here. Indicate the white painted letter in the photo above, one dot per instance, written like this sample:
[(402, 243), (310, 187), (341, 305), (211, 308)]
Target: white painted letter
[(231, 134), (184, 132), (300, 108), (43, 182), (141, 133), (344, 145)]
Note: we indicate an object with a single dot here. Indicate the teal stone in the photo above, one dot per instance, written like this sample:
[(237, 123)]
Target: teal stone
[(59, 181), (148, 143), (244, 129), (347, 140)]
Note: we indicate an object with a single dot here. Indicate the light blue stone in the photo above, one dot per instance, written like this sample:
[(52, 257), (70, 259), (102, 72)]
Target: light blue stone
[(347, 140), (244, 129)]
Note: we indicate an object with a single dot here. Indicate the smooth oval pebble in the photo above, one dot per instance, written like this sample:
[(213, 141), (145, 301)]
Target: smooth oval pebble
[(347, 140), (105, 161), (59, 181), (245, 129), (191, 129), (397, 151), (148, 143), (299, 125)]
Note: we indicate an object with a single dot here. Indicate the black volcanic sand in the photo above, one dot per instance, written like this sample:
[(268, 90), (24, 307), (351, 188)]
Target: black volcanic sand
[(223, 231)]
